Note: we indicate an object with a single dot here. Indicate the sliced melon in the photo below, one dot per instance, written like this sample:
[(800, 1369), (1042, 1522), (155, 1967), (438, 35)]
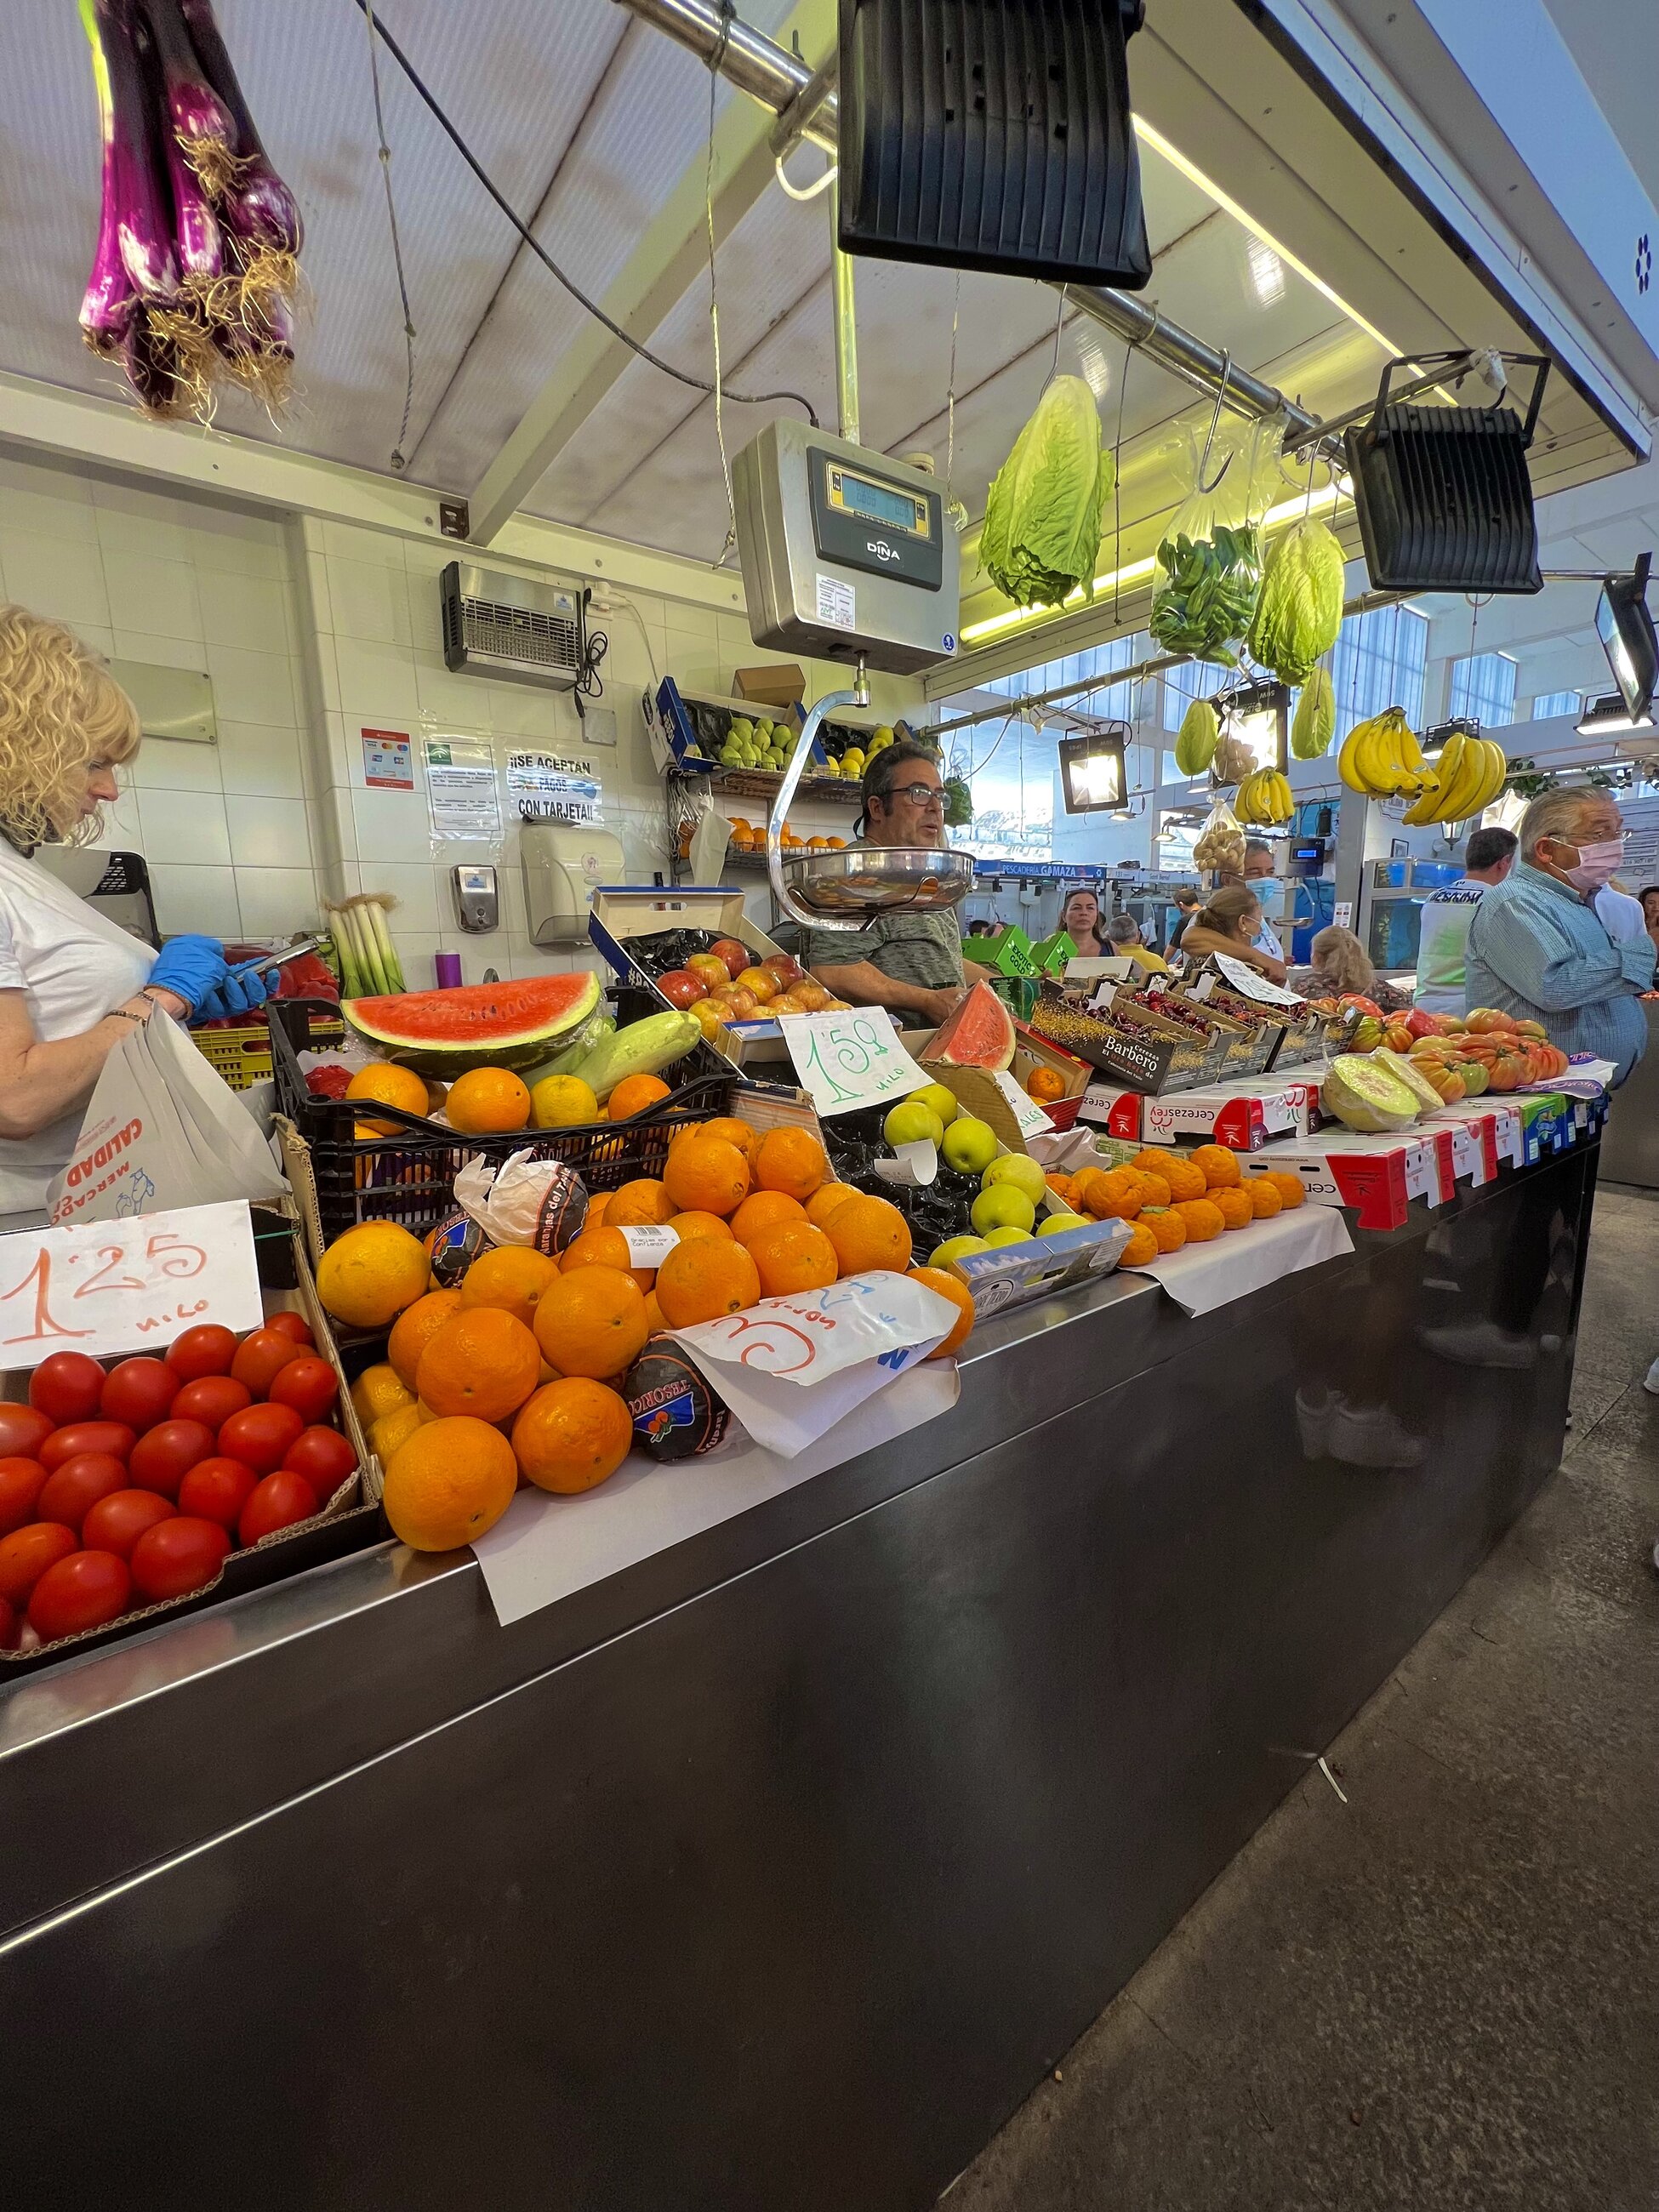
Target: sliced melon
[(980, 1034), (443, 1033)]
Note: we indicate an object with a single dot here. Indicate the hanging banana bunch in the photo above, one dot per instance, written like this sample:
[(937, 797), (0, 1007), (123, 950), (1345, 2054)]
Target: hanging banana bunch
[(1264, 799), (1382, 759), (1472, 771)]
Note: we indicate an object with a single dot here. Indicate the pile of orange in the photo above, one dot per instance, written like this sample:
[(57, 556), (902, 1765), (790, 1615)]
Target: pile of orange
[(1172, 1199)]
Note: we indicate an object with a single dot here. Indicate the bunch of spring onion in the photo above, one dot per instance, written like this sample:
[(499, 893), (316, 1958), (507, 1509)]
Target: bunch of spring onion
[(368, 963), (199, 242)]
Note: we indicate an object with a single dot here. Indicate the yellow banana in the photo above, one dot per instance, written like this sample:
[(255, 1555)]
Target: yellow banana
[(1347, 761), (1371, 762), (1490, 769), (1284, 805), (1453, 767)]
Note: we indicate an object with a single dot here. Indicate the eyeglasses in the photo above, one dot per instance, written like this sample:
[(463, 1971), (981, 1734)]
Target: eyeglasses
[(919, 794)]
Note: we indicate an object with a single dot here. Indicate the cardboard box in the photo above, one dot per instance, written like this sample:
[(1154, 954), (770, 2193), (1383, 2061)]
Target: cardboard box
[(1148, 1052), (688, 729), (1011, 1275), (1243, 1120), (778, 684), (1032, 1052)]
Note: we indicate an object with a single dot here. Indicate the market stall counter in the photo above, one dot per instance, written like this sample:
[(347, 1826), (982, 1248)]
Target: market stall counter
[(772, 1873)]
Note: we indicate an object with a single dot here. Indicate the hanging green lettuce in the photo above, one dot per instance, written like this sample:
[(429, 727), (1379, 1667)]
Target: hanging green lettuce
[(1041, 534), (1299, 610)]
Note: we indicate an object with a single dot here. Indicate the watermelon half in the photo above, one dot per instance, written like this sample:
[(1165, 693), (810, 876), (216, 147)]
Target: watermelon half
[(443, 1033), (980, 1034)]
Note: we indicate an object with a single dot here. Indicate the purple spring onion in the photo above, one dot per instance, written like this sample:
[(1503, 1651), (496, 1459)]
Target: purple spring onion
[(199, 138), (259, 206), (107, 310), (153, 371), (134, 175)]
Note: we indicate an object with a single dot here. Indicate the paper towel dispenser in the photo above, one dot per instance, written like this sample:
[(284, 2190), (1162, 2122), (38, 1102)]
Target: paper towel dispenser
[(563, 866)]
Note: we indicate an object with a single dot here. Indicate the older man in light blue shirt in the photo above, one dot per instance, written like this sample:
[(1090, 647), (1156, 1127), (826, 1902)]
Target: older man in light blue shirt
[(1536, 948)]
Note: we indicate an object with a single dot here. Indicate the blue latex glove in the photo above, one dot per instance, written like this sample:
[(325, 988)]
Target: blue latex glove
[(239, 991), (191, 968)]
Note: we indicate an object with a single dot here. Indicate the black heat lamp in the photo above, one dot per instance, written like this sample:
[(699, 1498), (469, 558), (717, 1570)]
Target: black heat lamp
[(1092, 773), (1625, 629), (1258, 715), (1432, 743)]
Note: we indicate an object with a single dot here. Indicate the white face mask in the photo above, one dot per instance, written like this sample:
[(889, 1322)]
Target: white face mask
[(1596, 864)]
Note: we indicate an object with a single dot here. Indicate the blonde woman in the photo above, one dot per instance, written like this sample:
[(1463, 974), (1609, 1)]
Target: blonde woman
[(72, 985), (1342, 965), (1228, 922)]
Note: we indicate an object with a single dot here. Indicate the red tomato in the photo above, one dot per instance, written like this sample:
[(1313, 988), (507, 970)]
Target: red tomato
[(114, 1437), (23, 1429), (165, 1454), (27, 1553), (139, 1393), (261, 1358), (9, 1626), (78, 1484), (277, 1503), (86, 1591), (178, 1556), (208, 1350), (294, 1325), (259, 1436), (307, 1384), (20, 1487), (67, 1387), (323, 1456), (116, 1522), (211, 1400), (217, 1490)]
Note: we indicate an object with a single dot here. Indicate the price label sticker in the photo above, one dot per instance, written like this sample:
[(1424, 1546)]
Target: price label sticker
[(850, 1060), (104, 1287), (1029, 1116), (650, 1244)]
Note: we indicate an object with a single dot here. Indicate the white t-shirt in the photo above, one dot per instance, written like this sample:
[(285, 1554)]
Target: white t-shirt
[(1443, 946), (1619, 915), (72, 967)]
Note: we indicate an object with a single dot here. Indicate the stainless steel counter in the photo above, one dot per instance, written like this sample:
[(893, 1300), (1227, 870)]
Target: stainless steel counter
[(772, 1874), (1630, 1142)]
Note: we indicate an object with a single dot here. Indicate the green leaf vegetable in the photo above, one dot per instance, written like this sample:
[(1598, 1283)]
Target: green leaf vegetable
[(1041, 536), (1299, 610), (1314, 724), (1200, 735), (1204, 604)]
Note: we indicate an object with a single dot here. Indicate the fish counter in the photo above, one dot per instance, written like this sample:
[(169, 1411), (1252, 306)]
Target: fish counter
[(771, 1872)]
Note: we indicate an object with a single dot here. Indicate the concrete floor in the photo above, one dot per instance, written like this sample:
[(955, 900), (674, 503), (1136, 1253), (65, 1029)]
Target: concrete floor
[(1445, 1993)]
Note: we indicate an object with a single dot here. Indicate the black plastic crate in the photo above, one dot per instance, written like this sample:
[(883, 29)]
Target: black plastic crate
[(410, 1178)]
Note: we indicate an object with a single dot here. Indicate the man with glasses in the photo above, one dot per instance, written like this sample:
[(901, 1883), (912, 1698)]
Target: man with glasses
[(911, 963)]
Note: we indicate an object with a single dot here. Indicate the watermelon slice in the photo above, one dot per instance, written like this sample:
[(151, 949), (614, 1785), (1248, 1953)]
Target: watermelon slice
[(980, 1034), (511, 1024)]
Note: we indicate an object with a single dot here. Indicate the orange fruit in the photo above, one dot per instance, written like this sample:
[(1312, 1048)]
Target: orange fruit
[(1109, 1194), (1185, 1181), (792, 1161), (704, 1279), (1289, 1188), (572, 1434), (869, 1234), (792, 1256), (599, 1209), (705, 1174), (378, 1391), (1045, 1085), (593, 1321), (481, 1361), (1201, 1219), (449, 1482), (368, 1276), (512, 1277), (960, 1295), (1064, 1188), (1154, 1190), (764, 1209), (414, 1329), (725, 1126), (393, 1429), (391, 1085), (686, 1225), (487, 1101), (654, 1313), (640, 1203), (1149, 1160), (634, 1094), (1234, 1207), (1264, 1196), (825, 1201), (1218, 1166), (1143, 1245), (603, 1247), (1167, 1225)]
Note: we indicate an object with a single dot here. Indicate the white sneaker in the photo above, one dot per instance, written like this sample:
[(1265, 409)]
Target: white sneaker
[(1374, 1436), (1650, 1380), (1481, 1344)]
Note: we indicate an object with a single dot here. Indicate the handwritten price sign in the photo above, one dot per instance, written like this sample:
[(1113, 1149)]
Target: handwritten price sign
[(117, 1286), (850, 1060)]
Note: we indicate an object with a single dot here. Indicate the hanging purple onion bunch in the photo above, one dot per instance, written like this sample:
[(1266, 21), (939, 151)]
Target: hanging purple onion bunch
[(198, 243)]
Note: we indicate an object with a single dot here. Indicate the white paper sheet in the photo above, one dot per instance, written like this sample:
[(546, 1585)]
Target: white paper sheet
[(1201, 1277)]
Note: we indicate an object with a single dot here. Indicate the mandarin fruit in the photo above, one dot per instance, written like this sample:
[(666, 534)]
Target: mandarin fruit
[(640, 1203), (704, 1281), (793, 1256), (482, 1362), (1185, 1181), (513, 1278), (792, 1161), (414, 1329), (1064, 1187), (1289, 1188), (572, 1434), (1264, 1196), (764, 1209), (368, 1276), (599, 1208), (1111, 1194), (705, 1174), (1233, 1205), (593, 1321), (486, 1102), (1143, 1245), (870, 1235), (380, 1390), (654, 1313), (1045, 1085), (1218, 1166), (449, 1482), (726, 1126), (1155, 1191), (1167, 1225), (952, 1287), (393, 1429), (1200, 1217), (686, 1225), (634, 1094), (603, 1247)]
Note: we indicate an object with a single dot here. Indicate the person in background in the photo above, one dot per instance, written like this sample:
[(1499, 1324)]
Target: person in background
[(1228, 922), (911, 963), (1650, 912), (1620, 913), (1080, 919), (1188, 900), (72, 984), (1341, 964), (1487, 859), (1123, 936), (1537, 947), (1259, 873), (981, 928)]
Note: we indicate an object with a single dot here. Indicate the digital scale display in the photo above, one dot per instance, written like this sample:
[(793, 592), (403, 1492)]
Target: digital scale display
[(878, 502)]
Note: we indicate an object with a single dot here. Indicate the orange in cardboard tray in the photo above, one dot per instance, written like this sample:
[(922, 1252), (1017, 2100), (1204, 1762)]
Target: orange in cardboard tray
[(1045, 1085), (706, 1175), (592, 1321), (449, 1482), (486, 1102), (482, 1362), (764, 1209), (1218, 1165), (793, 1256), (513, 1278), (869, 1235), (960, 1295), (415, 1328), (792, 1161), (704, 1280), (572, 1434), (1263, 1194), (640, 1203), (380, 1390), (602, 1248), (1202, 1219)]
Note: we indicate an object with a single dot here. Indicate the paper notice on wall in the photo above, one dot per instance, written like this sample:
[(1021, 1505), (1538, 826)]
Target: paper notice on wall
[(462, 796), (553, 786), (386, 760)]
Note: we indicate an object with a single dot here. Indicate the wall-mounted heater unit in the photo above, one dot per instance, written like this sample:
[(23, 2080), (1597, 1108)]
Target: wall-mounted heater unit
[(511, 629)]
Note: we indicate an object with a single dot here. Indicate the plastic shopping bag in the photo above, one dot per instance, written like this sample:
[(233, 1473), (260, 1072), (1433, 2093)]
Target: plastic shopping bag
[(1210, 559)]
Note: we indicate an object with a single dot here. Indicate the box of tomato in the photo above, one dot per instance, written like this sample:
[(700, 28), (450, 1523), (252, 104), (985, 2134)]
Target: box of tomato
[(135, 1490)]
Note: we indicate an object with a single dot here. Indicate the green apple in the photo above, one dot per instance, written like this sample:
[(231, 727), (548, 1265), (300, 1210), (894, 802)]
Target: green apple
[(943, 1102), (1054, 1223), (1019, 1170), (955, 1247), (1002, 1207), (913, 1122), (970, 1146), (1009, 1235)]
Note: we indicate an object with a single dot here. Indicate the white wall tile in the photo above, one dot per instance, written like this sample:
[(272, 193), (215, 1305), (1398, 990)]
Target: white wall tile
[(53, 575), (454, 702), (252, 687), (276, 901), (519, 710), (415, 885), (164, 765), (133, 521), (185, 826), (48, 499), (189, 899), (392, 825), (159, 652), (228, 538), (369, 601), (261, 763), (377, 682), (343, 541), (269, 833), (155, 596), (252, 612), (415, 949)]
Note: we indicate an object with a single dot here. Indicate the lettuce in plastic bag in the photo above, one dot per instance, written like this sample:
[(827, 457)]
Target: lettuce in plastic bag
[(1041, 534), (1299, 610)]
